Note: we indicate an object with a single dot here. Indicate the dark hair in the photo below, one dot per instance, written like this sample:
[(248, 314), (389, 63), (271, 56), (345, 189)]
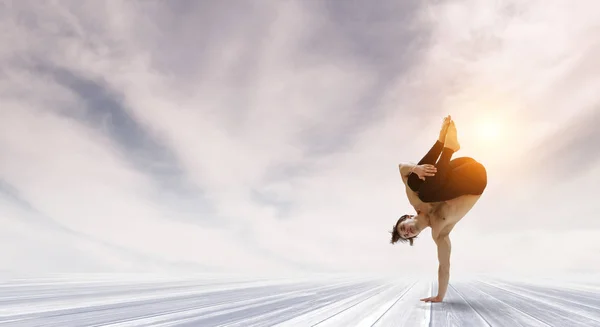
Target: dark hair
[(396, 236)]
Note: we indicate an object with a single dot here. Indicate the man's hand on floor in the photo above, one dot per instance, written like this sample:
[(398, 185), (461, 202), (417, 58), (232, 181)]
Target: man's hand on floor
[(432, 299)]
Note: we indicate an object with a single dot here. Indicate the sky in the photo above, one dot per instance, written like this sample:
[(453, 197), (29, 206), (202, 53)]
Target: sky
[(265, 136)]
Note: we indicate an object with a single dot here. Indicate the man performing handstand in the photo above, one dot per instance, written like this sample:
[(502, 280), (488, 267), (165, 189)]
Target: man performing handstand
[(442, 192)]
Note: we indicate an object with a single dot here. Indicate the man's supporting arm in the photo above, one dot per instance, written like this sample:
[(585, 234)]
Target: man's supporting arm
[(443, 248)]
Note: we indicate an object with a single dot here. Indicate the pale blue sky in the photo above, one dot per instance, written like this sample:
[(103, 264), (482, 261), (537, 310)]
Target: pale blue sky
[(265, 136)]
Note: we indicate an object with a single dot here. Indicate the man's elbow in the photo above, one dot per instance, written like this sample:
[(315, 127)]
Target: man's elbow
[(402, 169), (444, 268)]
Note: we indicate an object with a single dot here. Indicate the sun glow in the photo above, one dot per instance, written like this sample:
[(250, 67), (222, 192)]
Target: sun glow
[(489, 130), (492, 128), (491, 139)]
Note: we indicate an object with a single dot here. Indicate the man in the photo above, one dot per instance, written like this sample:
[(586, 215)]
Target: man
[(442, 193)]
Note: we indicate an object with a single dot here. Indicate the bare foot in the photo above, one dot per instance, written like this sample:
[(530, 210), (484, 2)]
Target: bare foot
[(452, 138), (444, 129)]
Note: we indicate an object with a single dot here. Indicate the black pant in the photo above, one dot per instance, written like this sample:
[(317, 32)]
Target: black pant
[(456, 177)]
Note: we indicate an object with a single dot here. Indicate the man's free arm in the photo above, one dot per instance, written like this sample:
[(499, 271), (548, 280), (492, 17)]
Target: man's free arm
[(406, 169), (422, 171)]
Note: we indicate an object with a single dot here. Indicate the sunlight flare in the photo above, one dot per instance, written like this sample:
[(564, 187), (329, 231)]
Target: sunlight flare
[(489, 130)]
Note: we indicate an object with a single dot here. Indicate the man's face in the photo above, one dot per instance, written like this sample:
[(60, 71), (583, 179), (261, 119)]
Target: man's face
[(408, 228)]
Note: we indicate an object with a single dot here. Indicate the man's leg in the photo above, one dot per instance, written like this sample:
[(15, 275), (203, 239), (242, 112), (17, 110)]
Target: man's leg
[(457, 162), (414, 182), (466, 176), (434, 184), (433, 154)]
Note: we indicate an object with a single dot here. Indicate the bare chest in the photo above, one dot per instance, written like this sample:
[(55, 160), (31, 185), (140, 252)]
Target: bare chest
[(446, 214)]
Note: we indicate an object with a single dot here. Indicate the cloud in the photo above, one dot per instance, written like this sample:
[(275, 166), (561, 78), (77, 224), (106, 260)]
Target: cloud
[(215, 136), (571, 149)]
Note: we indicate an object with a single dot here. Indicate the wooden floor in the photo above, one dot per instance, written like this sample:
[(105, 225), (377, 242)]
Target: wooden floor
[(337, 301)]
